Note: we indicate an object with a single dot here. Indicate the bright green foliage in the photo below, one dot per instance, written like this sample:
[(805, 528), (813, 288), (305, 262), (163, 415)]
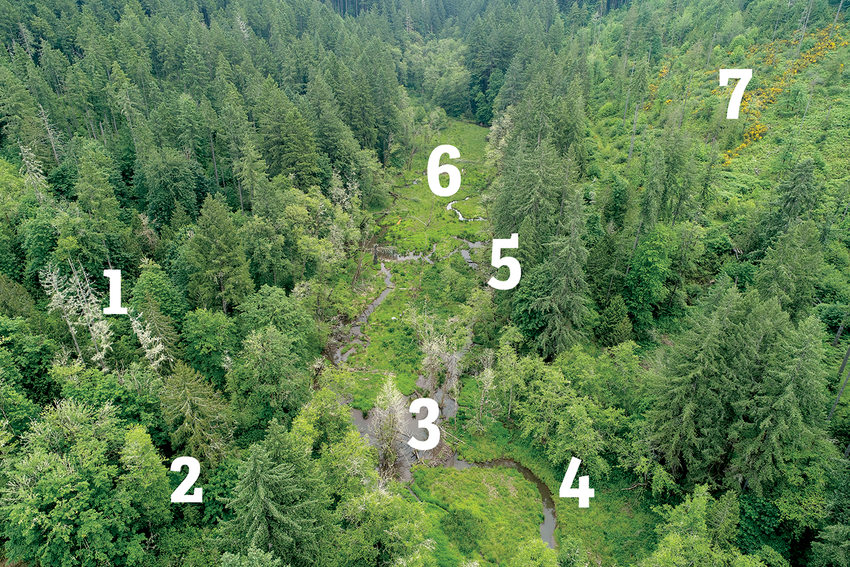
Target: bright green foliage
[(381, 528), (218, 269), (153, 284), (16, 410), (645, 283), (534, 553), (265, 380), (253, 558), (209, 340), (700, 531), (304, 128), (96, 388), (73, 498), (555, 416)]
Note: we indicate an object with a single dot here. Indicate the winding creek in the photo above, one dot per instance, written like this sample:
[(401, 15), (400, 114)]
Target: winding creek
[(443, 453), (450, 207)]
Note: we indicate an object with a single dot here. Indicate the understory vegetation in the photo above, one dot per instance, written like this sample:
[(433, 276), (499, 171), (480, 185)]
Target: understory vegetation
[(256, 170)]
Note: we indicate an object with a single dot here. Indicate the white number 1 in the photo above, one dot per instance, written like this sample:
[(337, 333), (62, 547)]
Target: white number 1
[(584, 493), (427, 423), (114, 293), (743, 76)]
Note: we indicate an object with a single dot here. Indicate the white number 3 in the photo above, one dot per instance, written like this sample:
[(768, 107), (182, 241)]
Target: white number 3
[(427, 423), (743, 76), (584, 493)]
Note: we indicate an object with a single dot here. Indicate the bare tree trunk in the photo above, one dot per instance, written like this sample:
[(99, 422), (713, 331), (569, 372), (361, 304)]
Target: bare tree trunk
[(835, 21), (838, 338), (215, 164), (805, 25), (634, 129), (844, 363), (838, 397)]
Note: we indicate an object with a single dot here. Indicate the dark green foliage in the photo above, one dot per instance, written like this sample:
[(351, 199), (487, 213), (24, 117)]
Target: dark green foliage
[(28, 355), (95, 487), (463, 528), (277, 507), (240, 162), (218, 269), (614, 325)]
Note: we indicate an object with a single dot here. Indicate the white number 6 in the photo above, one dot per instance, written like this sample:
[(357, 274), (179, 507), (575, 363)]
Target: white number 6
[(435, 169), (743, 76), (515, 270), (426, 423), (181, 494)]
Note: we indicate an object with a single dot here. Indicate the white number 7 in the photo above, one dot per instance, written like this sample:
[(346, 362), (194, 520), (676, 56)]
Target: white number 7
[(743, 76), (584, 493), (514, 269)]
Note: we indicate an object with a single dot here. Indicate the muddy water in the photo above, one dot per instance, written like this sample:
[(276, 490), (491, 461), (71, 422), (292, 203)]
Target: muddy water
[(448, 405), (355, 335), (547, 528)]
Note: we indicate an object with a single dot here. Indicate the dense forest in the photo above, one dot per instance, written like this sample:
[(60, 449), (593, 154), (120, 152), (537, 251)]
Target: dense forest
[(256, 170)]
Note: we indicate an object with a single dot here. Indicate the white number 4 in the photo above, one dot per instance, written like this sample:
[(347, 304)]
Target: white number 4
[(514, 269), (584, 493), (427, 423), (743, 76), (181, 493)]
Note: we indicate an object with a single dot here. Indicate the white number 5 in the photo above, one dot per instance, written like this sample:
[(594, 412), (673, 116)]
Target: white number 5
[(427, 423), (514, 269), (584, 493), (435, 169), (743, 76), (181, 493)]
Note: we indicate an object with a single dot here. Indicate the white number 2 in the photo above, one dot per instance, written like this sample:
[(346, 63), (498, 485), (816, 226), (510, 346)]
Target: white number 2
[(743, 76), (114, 293), (584, 493), (181, 493), (435, 169), (514, 269), (427, 423)]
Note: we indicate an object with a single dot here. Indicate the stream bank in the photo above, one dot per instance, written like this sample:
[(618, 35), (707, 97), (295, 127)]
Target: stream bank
[(443, 455)]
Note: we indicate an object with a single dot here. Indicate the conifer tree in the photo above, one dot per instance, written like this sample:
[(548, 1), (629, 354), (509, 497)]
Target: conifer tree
[(274, 510), (216, 259)]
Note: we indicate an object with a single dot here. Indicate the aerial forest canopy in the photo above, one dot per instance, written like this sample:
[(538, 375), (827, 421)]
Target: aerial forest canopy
[(244, 322)]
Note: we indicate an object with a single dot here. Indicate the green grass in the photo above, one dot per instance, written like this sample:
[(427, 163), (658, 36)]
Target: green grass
[(418, 218), (479, 513), (619, 526)]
